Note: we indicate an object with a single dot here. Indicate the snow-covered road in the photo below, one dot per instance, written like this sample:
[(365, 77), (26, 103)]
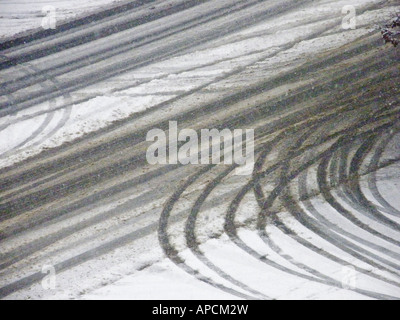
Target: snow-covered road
[(318, 218), (21, 17)]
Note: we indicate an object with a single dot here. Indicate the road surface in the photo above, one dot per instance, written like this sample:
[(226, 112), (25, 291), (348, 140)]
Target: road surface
[(317, 218)]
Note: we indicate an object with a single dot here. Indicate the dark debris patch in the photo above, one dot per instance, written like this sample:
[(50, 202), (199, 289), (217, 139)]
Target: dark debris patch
[(391, 32)]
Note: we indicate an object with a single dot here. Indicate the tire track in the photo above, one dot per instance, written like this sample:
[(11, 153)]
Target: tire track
[(43, 34), (104, 32), (132, 162), (28, 69), (169, 249), (372, 179), (231, 231), (293, 138), (106, 71), (191, 221), (353, 191), (305, 197), (295, 210), (134, 138), (82, 61)]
